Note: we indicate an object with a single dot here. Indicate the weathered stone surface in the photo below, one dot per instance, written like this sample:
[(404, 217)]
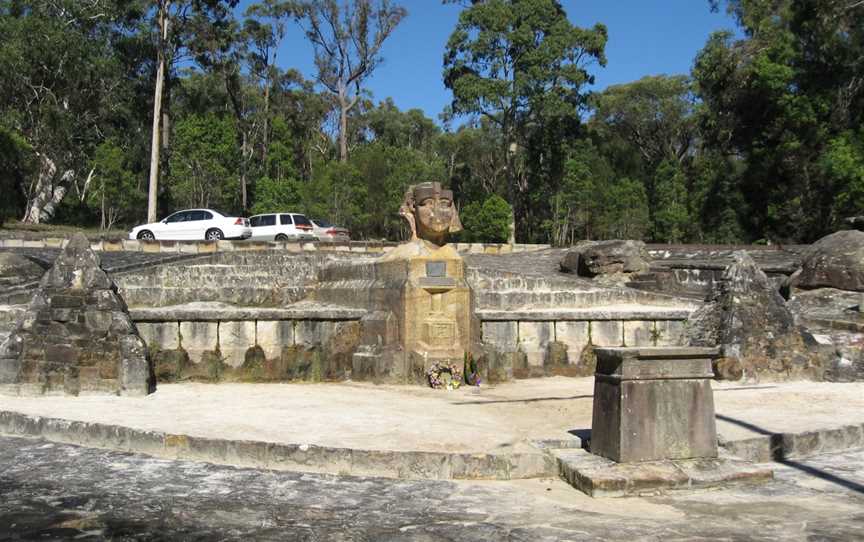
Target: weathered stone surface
[(196, 338), (639, 333), (606, 258), (534, 337), (835, 261), (16, 269), (76, 336), (728, 369), (502, 336), (160, 335), (749, 319), (575, 336), (273, 335), (653, 403), (235, 338), (669, 332), (607, 333)]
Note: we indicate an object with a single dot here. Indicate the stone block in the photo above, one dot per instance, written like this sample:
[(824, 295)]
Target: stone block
[(199, 337), (273, 335), (313, 332), (669, 332), (235, 338), (131, 245), (653, 403), (502, 336), (534, 339), (151, 246), (639, 333), (575, 336), (607, 333), (160, 335)]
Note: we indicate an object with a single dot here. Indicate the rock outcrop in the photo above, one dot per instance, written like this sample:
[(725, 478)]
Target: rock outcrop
[(748, 318), (76, 335), (606, 258), (835, 261)]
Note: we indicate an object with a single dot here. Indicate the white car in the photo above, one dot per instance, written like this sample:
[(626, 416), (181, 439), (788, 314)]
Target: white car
[(325, 231), (194, 224), (281, 227)]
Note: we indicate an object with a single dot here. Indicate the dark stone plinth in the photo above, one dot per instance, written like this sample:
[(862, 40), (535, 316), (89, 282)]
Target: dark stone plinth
[(600, 477), (653, 403)]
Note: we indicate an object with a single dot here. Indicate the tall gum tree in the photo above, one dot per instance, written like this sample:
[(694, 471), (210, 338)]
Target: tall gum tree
[(347, 40), (519, 63)]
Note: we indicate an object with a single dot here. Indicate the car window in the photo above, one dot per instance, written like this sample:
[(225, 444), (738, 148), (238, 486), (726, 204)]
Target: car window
[(255, 221), (177, 217), (285, 220), (268, 220), (301, 220), (321, 223), (198, 215), (205, 215)]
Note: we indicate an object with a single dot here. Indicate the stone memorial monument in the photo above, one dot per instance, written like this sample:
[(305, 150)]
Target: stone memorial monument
[(76, 336), (418, 300)]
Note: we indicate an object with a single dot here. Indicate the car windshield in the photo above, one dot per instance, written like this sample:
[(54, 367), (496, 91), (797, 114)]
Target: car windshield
[(322, 223)]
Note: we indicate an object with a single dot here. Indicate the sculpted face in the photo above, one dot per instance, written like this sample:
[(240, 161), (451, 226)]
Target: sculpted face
[(432, 212)]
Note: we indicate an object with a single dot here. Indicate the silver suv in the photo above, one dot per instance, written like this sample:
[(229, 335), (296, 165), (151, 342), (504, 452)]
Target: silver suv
[(281, 227)]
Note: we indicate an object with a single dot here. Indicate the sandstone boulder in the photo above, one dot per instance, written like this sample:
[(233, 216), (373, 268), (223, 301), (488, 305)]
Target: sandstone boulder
[(835, 261), (76, 335), (606, 258), (748, 318)]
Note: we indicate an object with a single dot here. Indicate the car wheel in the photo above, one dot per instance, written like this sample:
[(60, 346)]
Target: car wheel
[(281, 237), (214, 234), (146, 235)]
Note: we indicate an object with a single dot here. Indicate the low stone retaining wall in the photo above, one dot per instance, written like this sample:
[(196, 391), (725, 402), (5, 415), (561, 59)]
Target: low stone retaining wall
[(209, 247), (277, 456), (560, 345)]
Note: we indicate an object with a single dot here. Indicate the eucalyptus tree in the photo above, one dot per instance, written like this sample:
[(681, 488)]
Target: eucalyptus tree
[(347, 39), (185, 30), (64, 86), (523, 66)]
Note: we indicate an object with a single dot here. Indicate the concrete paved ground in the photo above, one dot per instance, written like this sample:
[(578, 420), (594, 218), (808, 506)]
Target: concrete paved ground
[(60, 492), (498, 419)]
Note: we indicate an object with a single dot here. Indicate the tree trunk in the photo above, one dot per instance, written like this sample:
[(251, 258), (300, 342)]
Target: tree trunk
[(343, 125), (45, 194), (153, 191)]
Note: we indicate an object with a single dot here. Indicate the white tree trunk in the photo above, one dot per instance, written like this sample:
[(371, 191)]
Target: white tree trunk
[(47, 192), (153, 189)]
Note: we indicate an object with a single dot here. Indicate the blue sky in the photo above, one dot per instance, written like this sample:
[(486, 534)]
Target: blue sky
[(646, 37)]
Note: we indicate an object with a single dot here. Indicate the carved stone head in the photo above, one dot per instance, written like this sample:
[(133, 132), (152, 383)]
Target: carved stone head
[(430, 212)]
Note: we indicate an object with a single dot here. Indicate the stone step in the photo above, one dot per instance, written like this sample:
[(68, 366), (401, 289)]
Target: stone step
[(158, 296), (505, 300)]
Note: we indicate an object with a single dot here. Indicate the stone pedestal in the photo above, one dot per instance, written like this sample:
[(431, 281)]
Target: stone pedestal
[(653, 404), (419, 310)]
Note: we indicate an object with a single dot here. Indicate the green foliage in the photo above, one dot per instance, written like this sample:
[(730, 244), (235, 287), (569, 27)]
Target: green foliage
[(488, 222), (625, 210), (522, 65), (204, 163), (114, 190), (272, 195), (16, 163), (843, 165), (672, 220)]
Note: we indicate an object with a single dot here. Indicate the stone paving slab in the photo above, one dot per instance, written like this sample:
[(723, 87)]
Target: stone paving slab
[(501, 421)]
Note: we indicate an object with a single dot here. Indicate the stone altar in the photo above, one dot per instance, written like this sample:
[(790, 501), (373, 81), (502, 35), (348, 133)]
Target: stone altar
[(653, 404)]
